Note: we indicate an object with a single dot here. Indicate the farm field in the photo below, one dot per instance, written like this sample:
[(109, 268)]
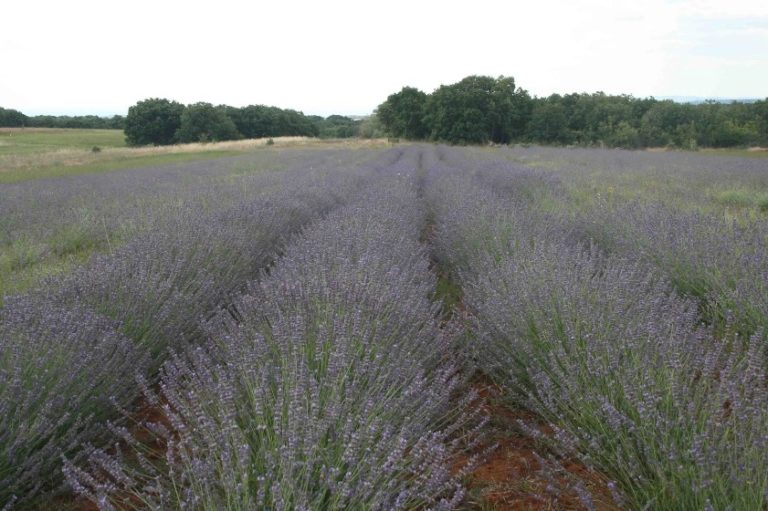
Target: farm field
[(326, 327), (34, 153)]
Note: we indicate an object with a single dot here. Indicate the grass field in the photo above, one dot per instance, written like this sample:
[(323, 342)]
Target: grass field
[(33, 153), (44, 140)]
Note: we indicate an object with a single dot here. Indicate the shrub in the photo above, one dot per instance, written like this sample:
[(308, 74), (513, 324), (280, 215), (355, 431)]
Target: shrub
[(60, 368)]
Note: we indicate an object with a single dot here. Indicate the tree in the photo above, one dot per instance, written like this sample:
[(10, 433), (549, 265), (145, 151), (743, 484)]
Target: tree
[(402, 114), (370, 127), (510, 110), (623, 135), (258, 121), (203, 122), (10, 118), (153, 121), (549, 123), (478, 109), (337, 126), (760, 109), (669, 123), (459, 113)]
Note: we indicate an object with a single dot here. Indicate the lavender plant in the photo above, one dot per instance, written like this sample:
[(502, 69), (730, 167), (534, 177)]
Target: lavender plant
[(603, 348), (45, 224), (326, 389), (723, 264), (160, 285), (59, 370), (699, 219), (154, 291)]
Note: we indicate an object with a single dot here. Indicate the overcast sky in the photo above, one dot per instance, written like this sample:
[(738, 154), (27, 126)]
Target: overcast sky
[(333, 56)]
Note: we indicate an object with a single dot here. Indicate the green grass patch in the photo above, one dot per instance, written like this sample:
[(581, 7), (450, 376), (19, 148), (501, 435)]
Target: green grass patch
[(119, 162), (744, 153), (16, 282), (742, 198), (449, 293), (36, 140)]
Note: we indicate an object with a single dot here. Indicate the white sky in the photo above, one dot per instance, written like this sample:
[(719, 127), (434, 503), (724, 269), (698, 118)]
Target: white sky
[(336, 56)]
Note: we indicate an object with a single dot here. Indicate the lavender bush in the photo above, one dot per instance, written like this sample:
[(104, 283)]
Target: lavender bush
[(154, 290), (44, 224), (160, 285), (721, 263), (603, 348), (328, 382), (59, 370), (325, 389), (699, 219)]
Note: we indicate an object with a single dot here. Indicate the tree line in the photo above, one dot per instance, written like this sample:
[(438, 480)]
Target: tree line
[(10, 118), (158, 121), (483, 109)]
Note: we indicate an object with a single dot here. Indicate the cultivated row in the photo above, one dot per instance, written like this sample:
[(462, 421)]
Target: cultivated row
[(602, 347), (327, 384), (70, 351)]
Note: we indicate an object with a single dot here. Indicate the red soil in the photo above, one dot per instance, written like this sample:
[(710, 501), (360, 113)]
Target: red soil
[(145, 413), (511, 479)]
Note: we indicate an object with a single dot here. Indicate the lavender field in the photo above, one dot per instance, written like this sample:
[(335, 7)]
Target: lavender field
[(417, 327)]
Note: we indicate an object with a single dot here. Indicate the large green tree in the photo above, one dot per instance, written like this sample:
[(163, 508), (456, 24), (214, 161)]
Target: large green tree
[(510, 109), (549, 122), (10, 118), (477, 110), (203, 122), (402, 114), (459, 113), (153, 121), (258, 121)]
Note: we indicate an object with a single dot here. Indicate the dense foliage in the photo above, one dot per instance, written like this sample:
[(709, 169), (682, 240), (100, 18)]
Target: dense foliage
[(259, 121), (157, 121), (10, 118), (336, 126), (203, 122), (153, 121), (403, 114), (481, 109), (14, 119)]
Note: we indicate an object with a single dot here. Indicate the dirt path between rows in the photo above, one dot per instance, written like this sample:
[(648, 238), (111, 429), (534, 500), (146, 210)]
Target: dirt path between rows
[(512, 477)]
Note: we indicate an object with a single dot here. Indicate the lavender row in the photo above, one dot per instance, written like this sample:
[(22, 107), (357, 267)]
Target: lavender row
[(716, 256), (40, 209), (721, 261), (324, 388), (605, 350), (69, 351), (49, 224), (688, 179)]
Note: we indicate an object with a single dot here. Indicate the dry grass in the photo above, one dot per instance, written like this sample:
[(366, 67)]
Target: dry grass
[(39, 152), (72, 156)]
